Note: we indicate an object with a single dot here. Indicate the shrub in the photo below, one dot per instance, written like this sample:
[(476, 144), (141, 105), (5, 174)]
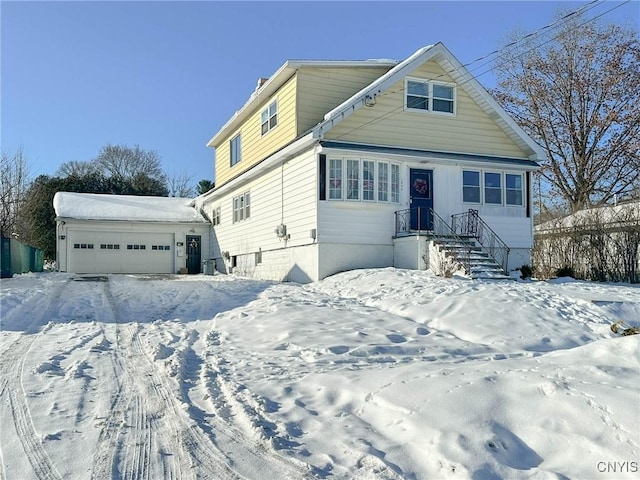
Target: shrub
[(526, 272), (565, 271)]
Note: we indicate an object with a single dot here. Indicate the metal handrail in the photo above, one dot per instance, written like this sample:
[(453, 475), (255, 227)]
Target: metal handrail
[(403, 222), (442, 231), (471, 224)]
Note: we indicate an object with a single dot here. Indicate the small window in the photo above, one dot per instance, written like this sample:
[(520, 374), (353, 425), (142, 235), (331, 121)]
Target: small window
[(417, 95), (76, 245), (493, 188), (116, 247), (269, 118), (258, 258), (368, 182), (154, 247), (353, 179), (513, 190), (129, 247), (442, 98), (335, 179), (235, 147), (383, 182), (395, 183), (470, 186), (167, 247), (215, 216), (429, 96), (241, 207)]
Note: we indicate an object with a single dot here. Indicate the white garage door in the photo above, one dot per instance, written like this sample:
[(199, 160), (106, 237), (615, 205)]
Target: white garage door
[(120, 252)]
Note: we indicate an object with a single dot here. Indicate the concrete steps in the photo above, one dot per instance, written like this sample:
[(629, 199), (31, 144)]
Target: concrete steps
[(481, 265)]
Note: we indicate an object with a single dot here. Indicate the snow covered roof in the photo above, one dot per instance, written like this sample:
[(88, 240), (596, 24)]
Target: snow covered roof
[(93, 206), (607, 217)]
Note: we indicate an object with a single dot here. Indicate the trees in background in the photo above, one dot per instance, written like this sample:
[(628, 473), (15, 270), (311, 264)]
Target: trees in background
[(578, 96), (14, 183), (119, 170)]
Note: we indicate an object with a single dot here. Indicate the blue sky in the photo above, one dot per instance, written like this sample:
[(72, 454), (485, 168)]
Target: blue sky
[(167, 75)]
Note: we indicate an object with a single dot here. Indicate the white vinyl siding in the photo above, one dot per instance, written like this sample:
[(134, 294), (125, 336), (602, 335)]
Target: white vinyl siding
[(283, 195)]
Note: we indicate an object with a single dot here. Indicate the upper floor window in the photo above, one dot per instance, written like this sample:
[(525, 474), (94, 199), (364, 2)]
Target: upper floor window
[(235, 147), (429, 96), (269, 117)]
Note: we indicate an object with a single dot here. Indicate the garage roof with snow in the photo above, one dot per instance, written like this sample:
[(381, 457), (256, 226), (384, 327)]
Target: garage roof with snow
[(93, 206)]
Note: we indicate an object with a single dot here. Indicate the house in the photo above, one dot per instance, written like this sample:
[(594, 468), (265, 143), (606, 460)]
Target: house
[(337, 165), (98, 233), (600, 243)]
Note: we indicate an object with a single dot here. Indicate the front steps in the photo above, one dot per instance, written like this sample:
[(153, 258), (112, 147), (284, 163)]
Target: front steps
[(480, 264)]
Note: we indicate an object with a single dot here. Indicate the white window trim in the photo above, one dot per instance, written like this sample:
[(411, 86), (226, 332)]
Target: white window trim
[(522, 190), (480, 177), (484, 190), (243, 210), (503, 188), (430, 84), (239, 155), (269, 117), (345, 178)]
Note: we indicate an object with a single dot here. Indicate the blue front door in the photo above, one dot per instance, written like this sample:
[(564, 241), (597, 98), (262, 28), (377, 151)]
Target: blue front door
[(421, 198)]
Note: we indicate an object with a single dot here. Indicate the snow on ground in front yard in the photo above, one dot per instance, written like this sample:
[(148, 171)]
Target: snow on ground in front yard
[(370, 374)]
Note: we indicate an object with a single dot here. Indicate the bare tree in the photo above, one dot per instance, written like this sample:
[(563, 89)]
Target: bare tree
[(578, 96), (77, 168), (181, 185), (14, 183), (121, 161)]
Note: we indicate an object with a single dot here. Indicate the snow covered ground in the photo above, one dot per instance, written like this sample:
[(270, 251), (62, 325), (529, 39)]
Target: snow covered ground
[(370, 374)]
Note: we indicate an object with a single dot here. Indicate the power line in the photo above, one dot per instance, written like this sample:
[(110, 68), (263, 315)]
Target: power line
[(560, 22)]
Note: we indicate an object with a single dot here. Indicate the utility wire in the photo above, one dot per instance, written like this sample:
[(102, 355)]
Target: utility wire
[(504, 50)]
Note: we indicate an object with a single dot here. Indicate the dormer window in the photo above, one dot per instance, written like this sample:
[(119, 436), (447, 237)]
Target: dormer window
[(269, 117), (429, 96)]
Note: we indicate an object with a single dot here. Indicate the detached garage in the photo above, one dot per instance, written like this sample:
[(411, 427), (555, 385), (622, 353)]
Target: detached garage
[(98, 233)]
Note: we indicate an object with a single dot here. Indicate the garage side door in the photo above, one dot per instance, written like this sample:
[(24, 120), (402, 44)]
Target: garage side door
[(114, 252)]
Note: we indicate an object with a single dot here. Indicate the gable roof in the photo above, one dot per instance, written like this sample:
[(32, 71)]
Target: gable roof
[(460, 75), (279, 78), (95, 206)]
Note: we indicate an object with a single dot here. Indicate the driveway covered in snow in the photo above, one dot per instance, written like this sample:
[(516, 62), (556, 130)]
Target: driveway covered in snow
[(385, 374)]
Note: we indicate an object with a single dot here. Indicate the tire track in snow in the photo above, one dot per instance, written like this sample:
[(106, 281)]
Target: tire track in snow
[(133, 443), (11, 371)]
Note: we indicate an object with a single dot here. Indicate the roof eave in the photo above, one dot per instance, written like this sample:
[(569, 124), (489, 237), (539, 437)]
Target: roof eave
[(281, 76)]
